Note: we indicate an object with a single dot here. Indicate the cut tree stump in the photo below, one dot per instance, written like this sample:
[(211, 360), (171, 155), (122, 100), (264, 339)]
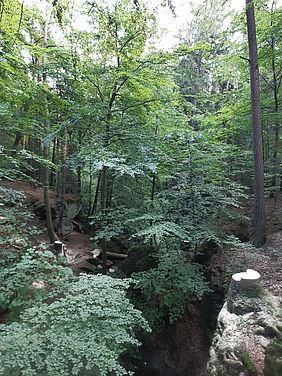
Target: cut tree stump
[(59, 248), (244, 290)]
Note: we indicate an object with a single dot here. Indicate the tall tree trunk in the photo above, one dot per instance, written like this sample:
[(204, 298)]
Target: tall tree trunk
[(95, 202), (52, 175), (90, 190), (275, 161), (110, 187), (58, 173), (154, 181), (276, 131), (259, 207), (63, 182), (154, 173), (48, 213), (78, 172), (17, 142), (104, 184), (103, 191), (49, 221)]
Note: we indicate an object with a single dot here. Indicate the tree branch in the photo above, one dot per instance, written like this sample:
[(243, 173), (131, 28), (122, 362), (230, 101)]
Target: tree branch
[(97, 87), (21, 17), (265, 80), (136, 105), (279, 82), (245, 58), (128, 41)]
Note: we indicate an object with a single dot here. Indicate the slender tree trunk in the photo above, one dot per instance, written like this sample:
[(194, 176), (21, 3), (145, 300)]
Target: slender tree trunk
[(154, 181), (95, 202), (110, 188), (105, 169), (52, 175), (63, 182), (103, 191), (48, 213), (17, 142), (276, 133), (49, 221), (58, 174), (78, 171), (104, 184), (153, 187), (90, 190), (154, 173), (259, 207), (275, 162)]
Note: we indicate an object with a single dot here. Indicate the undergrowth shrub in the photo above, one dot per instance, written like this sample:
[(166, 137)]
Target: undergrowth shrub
[(87, 328), (27, 277), (166, 288), (58, 324)]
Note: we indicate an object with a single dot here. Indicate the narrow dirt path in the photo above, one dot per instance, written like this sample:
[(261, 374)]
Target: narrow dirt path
[(77, 243)]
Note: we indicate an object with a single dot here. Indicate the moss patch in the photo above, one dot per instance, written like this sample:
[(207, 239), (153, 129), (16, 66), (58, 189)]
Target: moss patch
[(248, 364), (273, 359)]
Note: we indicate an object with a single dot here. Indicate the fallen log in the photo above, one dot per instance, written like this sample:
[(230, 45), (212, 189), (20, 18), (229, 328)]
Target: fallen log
[(116, 256), (84, 265), (113, 255)]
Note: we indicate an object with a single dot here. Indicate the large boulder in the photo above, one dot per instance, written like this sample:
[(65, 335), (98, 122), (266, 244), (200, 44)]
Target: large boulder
[(247, 327)]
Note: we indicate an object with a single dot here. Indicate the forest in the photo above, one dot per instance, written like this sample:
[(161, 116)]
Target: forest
[(135, 180)]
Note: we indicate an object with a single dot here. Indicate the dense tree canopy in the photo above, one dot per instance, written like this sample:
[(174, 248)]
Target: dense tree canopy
[(155, 145)]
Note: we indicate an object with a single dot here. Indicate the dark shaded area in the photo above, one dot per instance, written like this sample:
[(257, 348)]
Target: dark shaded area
[(273, 359)]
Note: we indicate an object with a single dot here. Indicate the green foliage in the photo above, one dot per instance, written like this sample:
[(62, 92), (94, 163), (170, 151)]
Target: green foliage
[(26, 272), (58, 323), (114, 223), (11, 197), (24, 278), (87, 328), (172, 131), (273, 355), (14, 217), (166, 288), (159, 231), (229, 271)]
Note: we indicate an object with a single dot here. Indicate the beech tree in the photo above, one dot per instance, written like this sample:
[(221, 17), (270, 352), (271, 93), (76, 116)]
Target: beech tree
[(259, 207)]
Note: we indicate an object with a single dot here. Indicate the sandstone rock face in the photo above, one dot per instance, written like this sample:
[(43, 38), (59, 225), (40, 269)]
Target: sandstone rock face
[(243, 335)]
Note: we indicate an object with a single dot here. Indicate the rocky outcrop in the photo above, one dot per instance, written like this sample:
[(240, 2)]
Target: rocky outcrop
[(248, 331)]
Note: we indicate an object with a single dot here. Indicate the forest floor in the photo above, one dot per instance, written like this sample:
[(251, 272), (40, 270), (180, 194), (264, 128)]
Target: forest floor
[(267, 260), (76, 241), (189, 336), (34, 193)]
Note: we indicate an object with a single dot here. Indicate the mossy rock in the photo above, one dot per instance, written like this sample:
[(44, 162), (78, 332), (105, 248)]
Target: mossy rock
[(273, 359), (248, 363)]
